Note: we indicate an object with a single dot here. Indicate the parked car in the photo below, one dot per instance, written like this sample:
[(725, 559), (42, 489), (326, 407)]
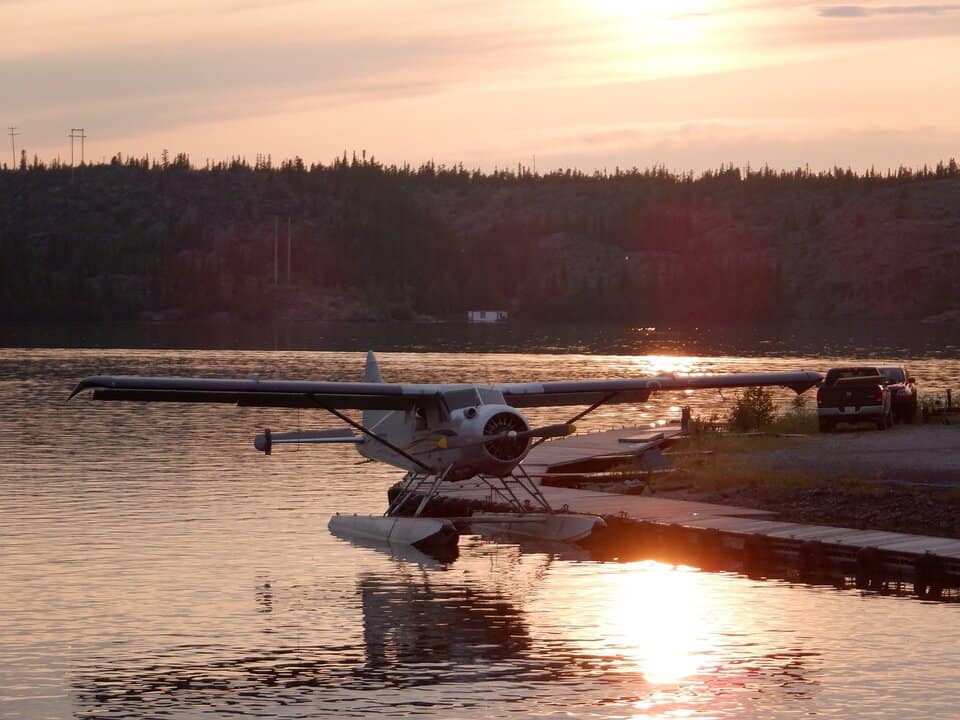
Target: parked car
[(903, 392), (854, 394)]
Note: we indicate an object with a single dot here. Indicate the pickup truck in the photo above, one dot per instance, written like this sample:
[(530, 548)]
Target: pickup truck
[(903, 392), (853, 394)]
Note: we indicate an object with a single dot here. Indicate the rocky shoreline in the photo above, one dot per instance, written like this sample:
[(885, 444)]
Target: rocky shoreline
[(918, 511), (906, 479)]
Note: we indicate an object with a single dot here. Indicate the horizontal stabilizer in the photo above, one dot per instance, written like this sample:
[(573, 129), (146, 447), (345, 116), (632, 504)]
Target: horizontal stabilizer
[(268, 439)]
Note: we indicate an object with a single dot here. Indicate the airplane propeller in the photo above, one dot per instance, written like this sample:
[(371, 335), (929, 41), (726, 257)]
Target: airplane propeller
[(544, 432)]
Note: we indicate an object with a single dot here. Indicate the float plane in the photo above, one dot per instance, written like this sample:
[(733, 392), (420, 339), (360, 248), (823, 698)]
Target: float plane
[(436, 432)]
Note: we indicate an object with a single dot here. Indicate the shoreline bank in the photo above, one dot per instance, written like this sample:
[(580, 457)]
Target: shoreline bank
[(906, 479)]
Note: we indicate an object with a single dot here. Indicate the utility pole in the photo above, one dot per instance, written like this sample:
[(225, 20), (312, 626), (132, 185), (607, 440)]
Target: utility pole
[(13, 146), (76, 134), (276, 249)]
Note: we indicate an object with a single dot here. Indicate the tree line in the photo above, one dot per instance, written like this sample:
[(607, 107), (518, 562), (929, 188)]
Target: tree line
[(160, 237)]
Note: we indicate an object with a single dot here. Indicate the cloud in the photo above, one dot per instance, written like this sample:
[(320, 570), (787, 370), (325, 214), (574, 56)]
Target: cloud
[(123, 90), (844, 11), (859, 11), (440, 79), (161, 84)]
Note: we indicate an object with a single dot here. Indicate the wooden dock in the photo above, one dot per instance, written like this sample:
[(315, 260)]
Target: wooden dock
[(707, 533), (611, 446)]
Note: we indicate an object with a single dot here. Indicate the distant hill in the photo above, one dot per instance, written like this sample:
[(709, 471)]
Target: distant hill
[(141, 239)]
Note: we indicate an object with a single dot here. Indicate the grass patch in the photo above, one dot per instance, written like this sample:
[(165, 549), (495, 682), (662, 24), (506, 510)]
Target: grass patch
[(794, 422), (719, 462), (714, 458)]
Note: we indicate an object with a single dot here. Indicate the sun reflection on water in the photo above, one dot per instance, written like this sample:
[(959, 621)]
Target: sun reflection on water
[(666, 364), (656, 618), (647, 619)]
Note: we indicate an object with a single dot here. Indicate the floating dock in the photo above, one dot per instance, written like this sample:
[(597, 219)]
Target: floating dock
[(729, 537), (599, 448)]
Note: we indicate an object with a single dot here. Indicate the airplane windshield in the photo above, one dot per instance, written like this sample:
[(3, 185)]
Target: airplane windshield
[(467, 397), (489, 396)]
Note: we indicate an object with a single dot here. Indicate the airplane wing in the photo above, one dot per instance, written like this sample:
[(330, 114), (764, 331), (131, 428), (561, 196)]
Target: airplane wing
[(588, 392), (399, 396), (259, 393)]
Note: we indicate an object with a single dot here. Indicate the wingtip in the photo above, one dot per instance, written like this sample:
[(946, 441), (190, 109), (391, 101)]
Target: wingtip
[(812, 380), (86, 384), (78, 388)]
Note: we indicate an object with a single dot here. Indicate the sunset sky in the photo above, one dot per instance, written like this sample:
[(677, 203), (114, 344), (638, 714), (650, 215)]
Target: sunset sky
[(591, 84)]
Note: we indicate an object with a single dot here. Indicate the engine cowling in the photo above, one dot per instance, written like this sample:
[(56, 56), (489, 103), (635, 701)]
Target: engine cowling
[(482, 445), (505, 448)]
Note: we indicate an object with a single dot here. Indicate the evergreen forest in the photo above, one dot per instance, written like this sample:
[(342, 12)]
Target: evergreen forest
[(161, 239)]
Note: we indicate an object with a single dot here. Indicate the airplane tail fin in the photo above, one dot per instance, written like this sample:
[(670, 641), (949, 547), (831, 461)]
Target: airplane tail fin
[(393, 425), (371, 374)]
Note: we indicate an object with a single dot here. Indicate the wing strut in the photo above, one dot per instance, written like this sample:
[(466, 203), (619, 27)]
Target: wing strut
[(606, 398), (369, 433)]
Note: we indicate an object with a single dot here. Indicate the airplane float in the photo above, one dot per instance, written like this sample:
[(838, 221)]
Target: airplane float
[(438, 433)]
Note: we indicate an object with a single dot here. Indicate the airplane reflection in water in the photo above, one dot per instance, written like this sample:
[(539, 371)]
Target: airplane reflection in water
[(634, 634)]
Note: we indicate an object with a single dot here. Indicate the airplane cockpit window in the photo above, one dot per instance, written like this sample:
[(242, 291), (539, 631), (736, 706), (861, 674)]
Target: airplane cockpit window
[(457, 399), (489, 396)]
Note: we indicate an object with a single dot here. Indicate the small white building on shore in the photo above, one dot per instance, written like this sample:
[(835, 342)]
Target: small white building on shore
[(486, 316)]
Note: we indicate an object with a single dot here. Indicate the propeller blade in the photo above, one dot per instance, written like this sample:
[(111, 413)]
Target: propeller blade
[(546, 431)]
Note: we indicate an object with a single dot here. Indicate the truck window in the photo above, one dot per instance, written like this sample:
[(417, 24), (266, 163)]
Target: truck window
[(893, 374), (839, 373)]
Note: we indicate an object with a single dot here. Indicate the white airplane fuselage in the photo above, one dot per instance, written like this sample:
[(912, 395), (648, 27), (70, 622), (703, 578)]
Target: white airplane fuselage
[(468, 441)]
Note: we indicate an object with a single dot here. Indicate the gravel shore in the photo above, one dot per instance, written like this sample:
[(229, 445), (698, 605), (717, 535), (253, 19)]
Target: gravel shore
[(905, 479)]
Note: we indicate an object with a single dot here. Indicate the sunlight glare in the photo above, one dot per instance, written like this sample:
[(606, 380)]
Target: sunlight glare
[(666, 364), (655, 39), (657, 621), (639, 9)]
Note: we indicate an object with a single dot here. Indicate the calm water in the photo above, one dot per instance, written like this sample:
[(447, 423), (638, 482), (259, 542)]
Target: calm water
[(155, 565)]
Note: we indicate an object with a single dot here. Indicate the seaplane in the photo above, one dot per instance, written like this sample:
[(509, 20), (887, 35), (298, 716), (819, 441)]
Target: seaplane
[(437, 433)]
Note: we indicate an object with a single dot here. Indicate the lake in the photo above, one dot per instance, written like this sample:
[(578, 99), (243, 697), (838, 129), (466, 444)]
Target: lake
[(156, 565)]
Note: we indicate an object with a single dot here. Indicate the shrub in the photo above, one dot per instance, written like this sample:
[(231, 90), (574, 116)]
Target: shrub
[(752, 410)]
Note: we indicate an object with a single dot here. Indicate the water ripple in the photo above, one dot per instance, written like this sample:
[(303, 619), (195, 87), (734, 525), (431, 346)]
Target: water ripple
[(155, 565)]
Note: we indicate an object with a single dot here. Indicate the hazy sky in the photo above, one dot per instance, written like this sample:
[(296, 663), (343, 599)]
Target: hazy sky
[(593, 84)]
